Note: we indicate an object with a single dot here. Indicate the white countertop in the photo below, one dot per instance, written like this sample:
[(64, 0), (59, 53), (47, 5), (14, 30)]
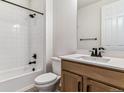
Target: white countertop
[(114, 63)]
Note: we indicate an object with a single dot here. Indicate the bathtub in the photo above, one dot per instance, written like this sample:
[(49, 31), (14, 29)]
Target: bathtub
[(18, 79)]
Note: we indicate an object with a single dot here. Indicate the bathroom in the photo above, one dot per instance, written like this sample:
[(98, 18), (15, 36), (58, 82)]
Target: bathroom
[(61, 46)]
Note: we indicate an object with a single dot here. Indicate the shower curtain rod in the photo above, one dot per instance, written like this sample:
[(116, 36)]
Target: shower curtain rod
[(22, 7)]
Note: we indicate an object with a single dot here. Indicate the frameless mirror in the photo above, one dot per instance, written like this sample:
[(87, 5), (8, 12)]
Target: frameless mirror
[(101, 23)]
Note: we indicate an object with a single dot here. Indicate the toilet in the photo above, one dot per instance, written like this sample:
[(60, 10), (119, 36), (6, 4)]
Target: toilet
[(48, 82)]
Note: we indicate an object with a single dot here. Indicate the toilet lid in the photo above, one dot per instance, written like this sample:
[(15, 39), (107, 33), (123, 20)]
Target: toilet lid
[(45, 78)]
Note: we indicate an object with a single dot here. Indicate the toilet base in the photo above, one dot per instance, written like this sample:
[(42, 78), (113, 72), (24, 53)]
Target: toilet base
[(47, 89), (51, 87)]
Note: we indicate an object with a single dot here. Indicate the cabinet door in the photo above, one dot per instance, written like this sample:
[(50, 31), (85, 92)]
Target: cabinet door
[(94, 86), (71, 82)]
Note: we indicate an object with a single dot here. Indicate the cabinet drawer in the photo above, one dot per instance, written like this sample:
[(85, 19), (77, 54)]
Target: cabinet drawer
[(110, 77), (94, 86)]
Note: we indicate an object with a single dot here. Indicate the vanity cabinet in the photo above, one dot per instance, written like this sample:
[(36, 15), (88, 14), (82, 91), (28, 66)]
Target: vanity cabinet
[(79, 77), (94, 86), (71, 82)]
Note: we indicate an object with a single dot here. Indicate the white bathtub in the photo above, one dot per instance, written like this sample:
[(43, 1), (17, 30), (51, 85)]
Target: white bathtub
[(17, 79)]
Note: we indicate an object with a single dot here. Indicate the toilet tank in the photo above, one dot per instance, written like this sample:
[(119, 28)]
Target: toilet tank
[(56, 65)]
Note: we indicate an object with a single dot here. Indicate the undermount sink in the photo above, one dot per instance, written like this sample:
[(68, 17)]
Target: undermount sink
[(96, 59)]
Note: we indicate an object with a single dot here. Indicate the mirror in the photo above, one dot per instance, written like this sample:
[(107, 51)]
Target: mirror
[(100, 23)]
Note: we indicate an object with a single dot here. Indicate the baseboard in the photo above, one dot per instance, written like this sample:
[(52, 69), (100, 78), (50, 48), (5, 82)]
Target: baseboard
[(26, 88)]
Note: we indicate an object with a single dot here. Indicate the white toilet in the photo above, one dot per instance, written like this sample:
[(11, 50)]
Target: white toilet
[(48, 82)]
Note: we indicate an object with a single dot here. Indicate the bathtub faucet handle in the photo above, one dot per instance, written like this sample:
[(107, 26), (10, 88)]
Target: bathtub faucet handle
[(35, 56)]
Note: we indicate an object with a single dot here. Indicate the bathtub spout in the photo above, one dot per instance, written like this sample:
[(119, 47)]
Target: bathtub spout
[(34, 62)]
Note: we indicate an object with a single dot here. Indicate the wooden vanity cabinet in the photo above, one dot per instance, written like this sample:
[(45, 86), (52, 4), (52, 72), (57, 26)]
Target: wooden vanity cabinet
[(94, 86), (86, 78), (71, 82)]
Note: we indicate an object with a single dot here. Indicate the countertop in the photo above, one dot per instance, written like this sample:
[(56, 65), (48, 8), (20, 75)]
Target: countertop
[(114, 63)]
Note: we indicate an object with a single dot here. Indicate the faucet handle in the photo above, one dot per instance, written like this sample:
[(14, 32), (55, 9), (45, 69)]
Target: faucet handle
[(102, 48), (94, 48), (34, 56), (92, 52)]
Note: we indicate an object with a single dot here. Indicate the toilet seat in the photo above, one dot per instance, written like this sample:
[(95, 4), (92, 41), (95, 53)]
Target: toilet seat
[(45, 78)]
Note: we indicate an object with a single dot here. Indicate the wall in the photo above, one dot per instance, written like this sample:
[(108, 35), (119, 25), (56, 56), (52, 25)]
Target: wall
[(49, 34), (38, 5), (16, 42), (14, 51), (89, 24), (37, 33), (21, 2), (64, 26)]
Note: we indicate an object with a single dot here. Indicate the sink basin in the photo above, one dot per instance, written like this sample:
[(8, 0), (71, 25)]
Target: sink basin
[(96, 59)]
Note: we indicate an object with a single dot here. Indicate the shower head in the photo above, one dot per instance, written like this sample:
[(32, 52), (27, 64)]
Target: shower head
[(32, 15)]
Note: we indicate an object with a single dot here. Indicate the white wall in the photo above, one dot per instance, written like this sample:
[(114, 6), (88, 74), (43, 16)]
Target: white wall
[(38, 5), (37, 31), (64, 26), (89, 24), (21, 40), (16, 41), (89, 21), (21, 2), (14, 51), (49, 33)]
